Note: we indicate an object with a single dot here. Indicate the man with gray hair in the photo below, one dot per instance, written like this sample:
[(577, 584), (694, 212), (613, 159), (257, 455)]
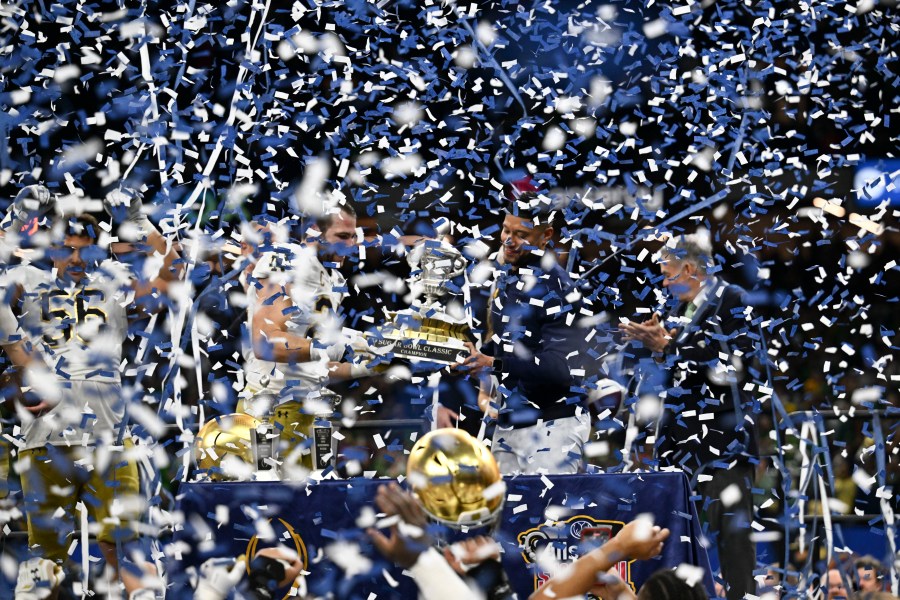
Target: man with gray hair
[(707, 426)]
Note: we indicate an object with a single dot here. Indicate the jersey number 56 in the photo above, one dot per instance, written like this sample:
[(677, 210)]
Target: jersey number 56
[(68, 313)]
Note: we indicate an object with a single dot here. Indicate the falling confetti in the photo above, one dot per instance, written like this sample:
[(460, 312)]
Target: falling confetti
[(767, 126)]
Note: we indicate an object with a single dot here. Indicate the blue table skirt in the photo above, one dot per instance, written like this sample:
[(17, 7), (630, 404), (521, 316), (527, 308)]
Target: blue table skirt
[(320, 520)]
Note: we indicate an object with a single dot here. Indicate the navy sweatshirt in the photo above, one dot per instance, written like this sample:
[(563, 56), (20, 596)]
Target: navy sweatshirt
[(533, 329)]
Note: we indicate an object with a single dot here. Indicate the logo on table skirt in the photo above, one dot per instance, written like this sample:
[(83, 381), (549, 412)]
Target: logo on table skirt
[(284, 533), (566, 541)]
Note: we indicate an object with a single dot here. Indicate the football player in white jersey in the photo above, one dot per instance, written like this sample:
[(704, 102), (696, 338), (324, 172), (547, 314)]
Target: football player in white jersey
[(63, 329), (294, 294)]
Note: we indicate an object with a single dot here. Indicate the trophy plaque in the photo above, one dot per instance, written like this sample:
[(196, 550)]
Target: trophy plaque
[(324, 445), (426, 332)]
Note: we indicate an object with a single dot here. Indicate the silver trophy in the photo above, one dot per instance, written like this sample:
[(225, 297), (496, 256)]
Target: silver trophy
[(426, 331)]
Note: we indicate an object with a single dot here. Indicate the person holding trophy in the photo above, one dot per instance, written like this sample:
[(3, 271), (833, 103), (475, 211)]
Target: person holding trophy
[(532, 336), (297, 340)]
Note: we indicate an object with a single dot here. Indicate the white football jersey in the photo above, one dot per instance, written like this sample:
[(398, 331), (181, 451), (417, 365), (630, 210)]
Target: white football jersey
[(316, 294), (79, 327)]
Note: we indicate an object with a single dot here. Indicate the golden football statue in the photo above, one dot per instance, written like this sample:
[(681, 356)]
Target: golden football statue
[(456, 479), (224, 447)]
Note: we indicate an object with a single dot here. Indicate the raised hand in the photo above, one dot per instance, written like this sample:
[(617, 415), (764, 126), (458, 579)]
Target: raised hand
[(409, 538), (639, 540), (475, 363), (358, 344), (471, 552), (445, 417), (31, 201), (124, 205), (611, 587), (487, 403), (650, 333)]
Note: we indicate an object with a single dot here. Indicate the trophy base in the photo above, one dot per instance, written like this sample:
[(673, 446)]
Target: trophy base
[(421, 350), (421, 336)]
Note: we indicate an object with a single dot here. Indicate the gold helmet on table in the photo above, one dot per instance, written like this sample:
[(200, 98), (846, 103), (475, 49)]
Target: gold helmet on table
[(456, 479), (224, 447)]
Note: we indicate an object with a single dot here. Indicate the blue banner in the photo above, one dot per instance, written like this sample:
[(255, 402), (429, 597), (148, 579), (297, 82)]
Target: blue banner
[(320, 520)]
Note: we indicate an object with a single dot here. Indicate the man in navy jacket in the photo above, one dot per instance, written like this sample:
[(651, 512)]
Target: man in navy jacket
[(707, 427), (530, 361)]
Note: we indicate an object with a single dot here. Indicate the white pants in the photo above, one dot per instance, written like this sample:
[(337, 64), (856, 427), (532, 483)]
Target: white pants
[(555, 447)]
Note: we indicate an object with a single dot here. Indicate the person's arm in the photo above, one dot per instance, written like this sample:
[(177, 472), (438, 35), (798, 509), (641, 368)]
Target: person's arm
[(488, 401), (147, 292), (478, 560), (32, 202), (445, 417), (169, 271), (27, 361), (359, 354), (638, 540), (549, 365), (437, 580), (409, 546), (343, 371), (728, 331), (270, 336), (127, 210), (611, 587), (651, 334), (20, 353), (478, 361), (12, 340)]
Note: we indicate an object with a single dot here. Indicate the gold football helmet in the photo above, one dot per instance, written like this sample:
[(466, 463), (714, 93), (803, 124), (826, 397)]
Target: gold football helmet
[(456, 479), (224, 447)]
